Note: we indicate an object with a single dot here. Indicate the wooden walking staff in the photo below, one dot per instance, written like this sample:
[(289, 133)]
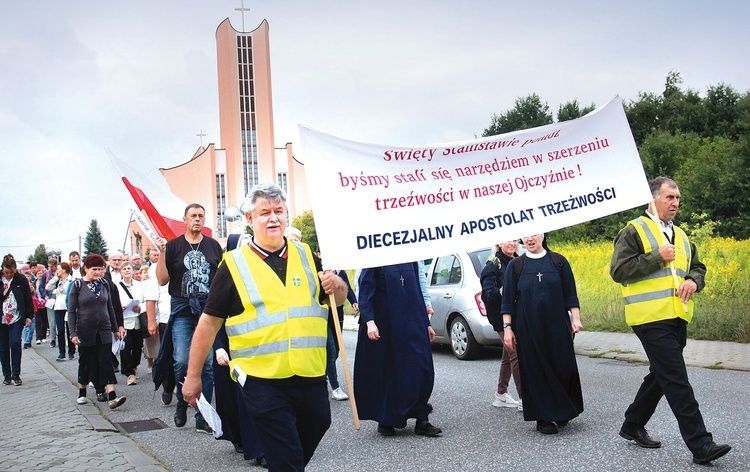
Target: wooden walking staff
[(655, 217), (345, 364)]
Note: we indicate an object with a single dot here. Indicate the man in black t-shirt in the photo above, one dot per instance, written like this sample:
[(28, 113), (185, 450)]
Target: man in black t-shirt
[(189, 263)]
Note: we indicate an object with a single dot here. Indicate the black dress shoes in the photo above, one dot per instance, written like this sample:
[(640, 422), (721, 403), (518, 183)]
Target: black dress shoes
[(425, 428), (640, 436), (386, 430), (710, 451), (546, 427), (180, 414), (261, 461)]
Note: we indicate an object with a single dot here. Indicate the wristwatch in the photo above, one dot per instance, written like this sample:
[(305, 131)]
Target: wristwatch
[(506, 325)]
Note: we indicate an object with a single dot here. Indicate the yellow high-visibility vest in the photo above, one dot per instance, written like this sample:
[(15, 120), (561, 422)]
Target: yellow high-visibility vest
[(654, 297), (283, 329)]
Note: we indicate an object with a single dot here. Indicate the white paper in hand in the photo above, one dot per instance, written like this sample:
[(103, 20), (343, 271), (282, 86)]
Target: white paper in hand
[(210, 415), (117, 344)]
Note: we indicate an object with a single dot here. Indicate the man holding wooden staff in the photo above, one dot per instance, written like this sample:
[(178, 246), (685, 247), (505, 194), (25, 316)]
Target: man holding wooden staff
[(660, 272), (272, 295)]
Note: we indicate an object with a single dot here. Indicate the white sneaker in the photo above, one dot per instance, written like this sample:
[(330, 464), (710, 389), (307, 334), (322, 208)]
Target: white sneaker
[(339, 395), (504, 400), (132, 380), (520, 405), (38, 342), (81, 400)]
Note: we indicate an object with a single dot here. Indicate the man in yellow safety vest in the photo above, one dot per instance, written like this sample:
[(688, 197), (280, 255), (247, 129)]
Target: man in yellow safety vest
[(659, 271), (271, 293)]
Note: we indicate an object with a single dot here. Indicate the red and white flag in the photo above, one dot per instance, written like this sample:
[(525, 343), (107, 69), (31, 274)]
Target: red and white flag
[(164, 220)]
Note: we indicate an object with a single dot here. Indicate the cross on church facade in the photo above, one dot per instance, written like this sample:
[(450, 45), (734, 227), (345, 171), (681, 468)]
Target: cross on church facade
[(243, 10), (201, 135)]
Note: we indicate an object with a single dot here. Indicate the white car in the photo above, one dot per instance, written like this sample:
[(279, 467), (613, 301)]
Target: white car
[(460, 318)]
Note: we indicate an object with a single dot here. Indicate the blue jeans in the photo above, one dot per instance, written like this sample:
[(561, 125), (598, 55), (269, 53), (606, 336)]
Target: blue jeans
[(332, 353), (28, 333), (10, 348), (183, 328)]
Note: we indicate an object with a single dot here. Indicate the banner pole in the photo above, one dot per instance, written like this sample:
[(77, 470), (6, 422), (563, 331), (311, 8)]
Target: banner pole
[(344, 363)]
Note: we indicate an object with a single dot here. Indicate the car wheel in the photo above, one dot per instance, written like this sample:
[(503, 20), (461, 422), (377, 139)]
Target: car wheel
[(463, 344)]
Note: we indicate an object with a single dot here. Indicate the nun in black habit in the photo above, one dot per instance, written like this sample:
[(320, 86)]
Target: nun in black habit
[(393, 370), (540, 315)]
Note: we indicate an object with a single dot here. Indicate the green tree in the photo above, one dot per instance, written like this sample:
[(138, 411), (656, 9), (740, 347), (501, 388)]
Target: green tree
[(663, 153), (643, 115), (681, 110), (94, 242), (306, 224), (712, 182), (528, 112), (39, 255), (572, 110), (722, 110), (701, 142)]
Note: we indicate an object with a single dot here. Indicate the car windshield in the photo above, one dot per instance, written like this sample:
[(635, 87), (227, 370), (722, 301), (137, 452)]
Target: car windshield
[(479, 258)]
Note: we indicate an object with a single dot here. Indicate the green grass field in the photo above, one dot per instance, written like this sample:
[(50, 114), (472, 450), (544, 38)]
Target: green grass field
[(722, 309)]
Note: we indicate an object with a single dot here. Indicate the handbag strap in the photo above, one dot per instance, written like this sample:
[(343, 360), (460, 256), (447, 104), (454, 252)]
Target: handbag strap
[(126, 289)]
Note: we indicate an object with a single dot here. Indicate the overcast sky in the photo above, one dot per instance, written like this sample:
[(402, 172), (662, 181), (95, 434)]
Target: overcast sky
[(138, 77)]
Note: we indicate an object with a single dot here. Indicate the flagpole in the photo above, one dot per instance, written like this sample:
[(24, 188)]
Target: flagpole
[(127, 232), (344, 363), (655, 218)]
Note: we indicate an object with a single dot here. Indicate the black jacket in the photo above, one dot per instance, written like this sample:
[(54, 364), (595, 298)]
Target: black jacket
[(492, 280), (19, 285)]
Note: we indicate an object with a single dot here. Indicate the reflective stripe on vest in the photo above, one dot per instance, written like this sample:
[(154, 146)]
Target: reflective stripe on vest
[(283, 329), (654, 297)]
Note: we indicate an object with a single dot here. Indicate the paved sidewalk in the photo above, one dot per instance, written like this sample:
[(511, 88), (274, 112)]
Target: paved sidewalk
[(627, 347), (44, 429)]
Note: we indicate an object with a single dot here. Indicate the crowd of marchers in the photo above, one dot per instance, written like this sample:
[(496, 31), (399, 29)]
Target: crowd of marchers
[(250, 328)]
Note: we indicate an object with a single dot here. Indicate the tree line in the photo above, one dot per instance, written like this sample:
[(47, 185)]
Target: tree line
[(700, 141), (93, 243)]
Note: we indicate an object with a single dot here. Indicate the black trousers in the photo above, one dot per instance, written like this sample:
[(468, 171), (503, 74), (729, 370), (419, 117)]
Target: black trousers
[(62, 338), (42, 324), (130, 356), (94, 365), (290, 420), (663, 342)]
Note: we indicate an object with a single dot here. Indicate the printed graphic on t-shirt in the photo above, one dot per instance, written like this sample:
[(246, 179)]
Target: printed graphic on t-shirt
[(195, 278)]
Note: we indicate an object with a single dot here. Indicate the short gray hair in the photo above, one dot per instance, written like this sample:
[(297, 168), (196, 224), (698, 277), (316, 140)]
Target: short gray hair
[(656, 184), (268, 192)]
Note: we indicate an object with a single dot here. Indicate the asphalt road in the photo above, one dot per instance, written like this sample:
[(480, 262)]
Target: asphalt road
[(476, 436)]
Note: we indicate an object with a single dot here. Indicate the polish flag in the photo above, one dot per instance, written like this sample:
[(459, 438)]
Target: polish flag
[(164, 222)]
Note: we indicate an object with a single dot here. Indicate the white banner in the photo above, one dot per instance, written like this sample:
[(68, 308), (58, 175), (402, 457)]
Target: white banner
[(376, 205)]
